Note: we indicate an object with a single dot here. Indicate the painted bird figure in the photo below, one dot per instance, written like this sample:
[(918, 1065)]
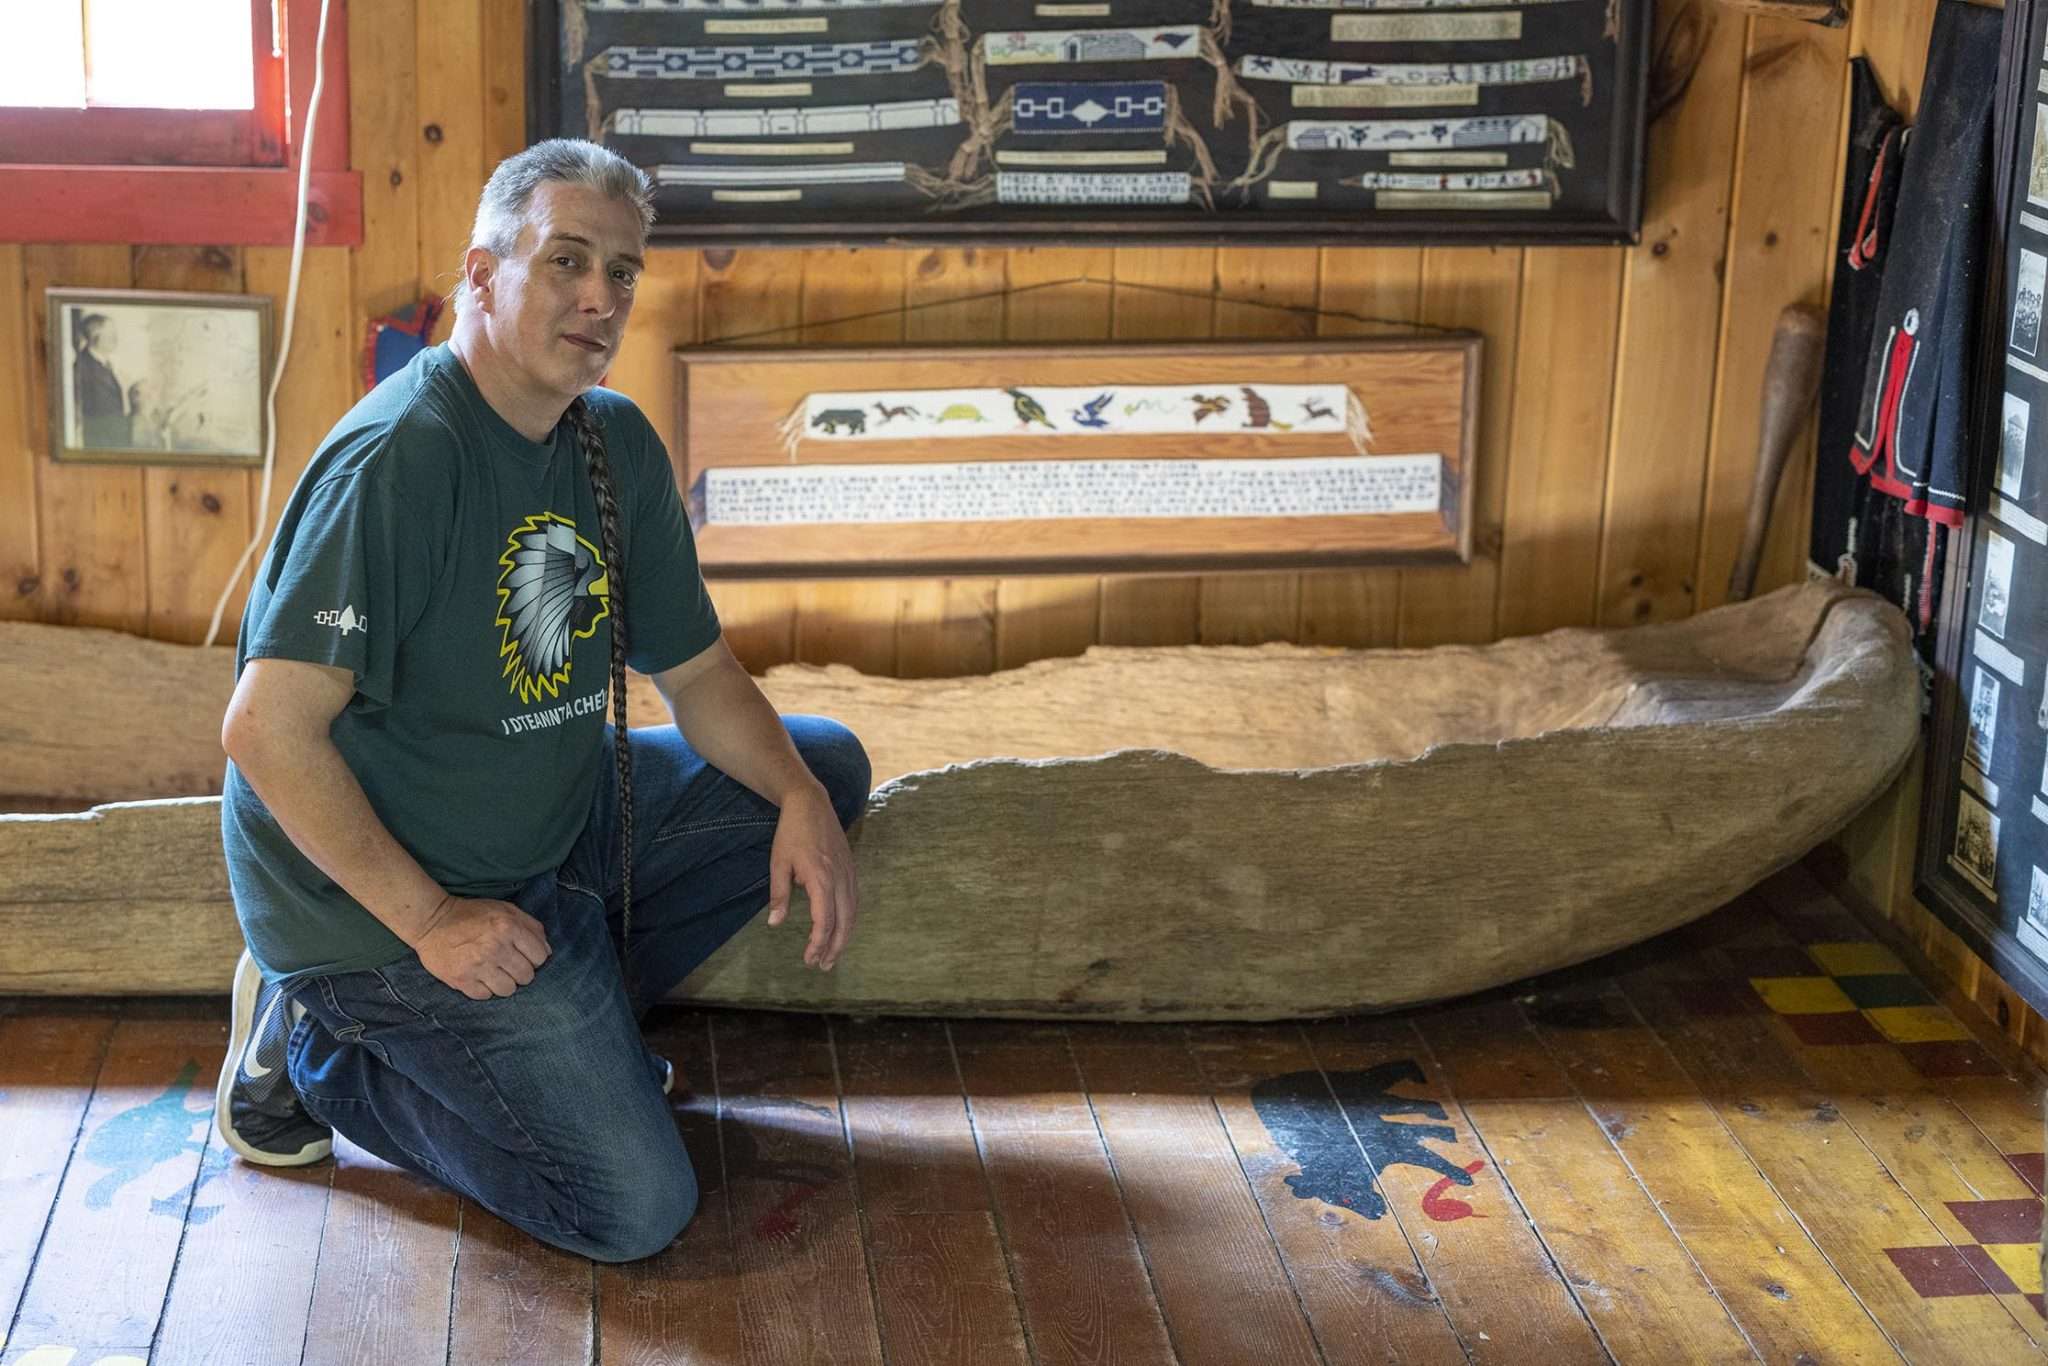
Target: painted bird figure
[(1089, 414), (1029, 409), (1208, 405)]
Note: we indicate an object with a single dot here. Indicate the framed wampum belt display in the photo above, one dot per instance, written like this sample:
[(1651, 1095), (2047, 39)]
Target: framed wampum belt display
[(816, 121), (1110, 458)]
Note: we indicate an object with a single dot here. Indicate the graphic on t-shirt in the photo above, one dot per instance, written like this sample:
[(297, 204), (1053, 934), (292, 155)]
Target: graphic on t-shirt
[(343, 621), (552, 593)]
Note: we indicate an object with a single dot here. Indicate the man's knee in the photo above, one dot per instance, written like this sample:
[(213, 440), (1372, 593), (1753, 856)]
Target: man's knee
[(645, 1223), (835, 754)]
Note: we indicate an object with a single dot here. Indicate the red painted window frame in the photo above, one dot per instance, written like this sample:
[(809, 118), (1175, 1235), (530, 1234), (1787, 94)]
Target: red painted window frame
[(201, 204)]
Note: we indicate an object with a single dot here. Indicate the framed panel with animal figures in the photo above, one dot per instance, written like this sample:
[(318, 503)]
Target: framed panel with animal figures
[(1078, 458)]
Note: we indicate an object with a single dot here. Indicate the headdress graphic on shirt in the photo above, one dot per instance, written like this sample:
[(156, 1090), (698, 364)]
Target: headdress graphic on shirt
[(552, 593)]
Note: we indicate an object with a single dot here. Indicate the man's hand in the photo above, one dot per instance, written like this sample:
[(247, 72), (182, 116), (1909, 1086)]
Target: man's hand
[(810, 848), (482, 948), (722, 713)]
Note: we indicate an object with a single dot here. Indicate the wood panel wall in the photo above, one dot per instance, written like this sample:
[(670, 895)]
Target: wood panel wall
[(1618, 418)]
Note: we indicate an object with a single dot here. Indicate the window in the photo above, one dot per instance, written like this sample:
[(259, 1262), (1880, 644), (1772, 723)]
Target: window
[(154, 121), (138, 82)]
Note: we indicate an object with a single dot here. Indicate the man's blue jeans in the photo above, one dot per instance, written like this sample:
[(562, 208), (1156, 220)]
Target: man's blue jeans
[(545, 1106)]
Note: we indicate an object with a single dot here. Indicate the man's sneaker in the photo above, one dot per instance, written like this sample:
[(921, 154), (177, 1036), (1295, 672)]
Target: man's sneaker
[(664, 1069), (255, 1107)]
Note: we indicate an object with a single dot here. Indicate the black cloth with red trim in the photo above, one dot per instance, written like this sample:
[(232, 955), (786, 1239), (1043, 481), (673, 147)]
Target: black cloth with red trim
[(1846, 534), (1912, 424)]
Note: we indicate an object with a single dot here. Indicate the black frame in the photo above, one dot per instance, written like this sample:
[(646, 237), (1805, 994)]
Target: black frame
[(1627, 142), (1945, 891)]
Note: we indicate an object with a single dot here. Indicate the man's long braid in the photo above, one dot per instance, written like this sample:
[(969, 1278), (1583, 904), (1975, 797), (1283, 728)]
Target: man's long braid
[(590, 435)]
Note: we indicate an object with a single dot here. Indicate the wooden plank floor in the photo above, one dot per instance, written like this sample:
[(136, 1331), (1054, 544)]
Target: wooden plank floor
[(1757, 1139)]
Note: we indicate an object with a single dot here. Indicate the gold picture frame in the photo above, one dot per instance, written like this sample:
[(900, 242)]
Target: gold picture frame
[(156, 377)]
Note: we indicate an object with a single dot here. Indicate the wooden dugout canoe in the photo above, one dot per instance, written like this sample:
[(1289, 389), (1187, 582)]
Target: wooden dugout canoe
[(1172, 833)]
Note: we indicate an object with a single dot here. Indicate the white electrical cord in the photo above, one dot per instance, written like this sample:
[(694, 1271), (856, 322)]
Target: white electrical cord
[(291, 306)]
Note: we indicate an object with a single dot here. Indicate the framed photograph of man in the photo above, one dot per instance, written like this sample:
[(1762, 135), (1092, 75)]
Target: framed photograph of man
[(156, 377)]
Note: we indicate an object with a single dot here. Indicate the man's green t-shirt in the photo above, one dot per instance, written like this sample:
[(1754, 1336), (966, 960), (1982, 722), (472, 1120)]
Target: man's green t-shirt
[(455, 568)]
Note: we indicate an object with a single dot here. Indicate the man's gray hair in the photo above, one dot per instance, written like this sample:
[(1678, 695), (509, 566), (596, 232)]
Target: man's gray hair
[(501, 210)]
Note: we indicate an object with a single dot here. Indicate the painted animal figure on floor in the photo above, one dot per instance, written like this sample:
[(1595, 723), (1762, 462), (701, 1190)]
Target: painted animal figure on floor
[(1317, 1131), (961, 412), (141, 1138), (891, 413), (740, 1143), (1208, 405)]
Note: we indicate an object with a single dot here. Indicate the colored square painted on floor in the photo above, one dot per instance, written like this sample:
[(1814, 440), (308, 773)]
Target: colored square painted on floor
[(1834, 1027), (1950, 1060), (1861, 958), (1876, 991), (1999, 1221), (1769, 960), (1989, 1270), (1936, 1272), (2021, 1263), (1919, 1024), (1716, 998), (1802, 995)]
